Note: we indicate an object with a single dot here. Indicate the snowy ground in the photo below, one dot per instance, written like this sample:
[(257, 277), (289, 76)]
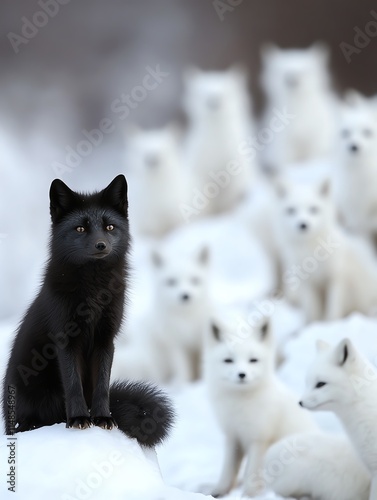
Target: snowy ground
[(67, 464)]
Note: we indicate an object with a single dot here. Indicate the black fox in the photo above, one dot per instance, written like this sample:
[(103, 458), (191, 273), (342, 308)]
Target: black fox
[(60, 362)]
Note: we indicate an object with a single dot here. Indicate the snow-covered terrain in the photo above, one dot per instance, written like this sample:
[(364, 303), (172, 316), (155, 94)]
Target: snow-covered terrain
[(57, 463)]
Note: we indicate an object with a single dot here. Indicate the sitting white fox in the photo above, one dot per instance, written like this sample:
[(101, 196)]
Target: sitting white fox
[(343, 381), (253, 407)]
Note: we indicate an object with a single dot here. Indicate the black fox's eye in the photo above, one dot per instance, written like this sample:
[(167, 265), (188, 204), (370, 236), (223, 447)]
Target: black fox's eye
[(253, 360), (228, 360), (110, 227), (80, 229), (320, 384)]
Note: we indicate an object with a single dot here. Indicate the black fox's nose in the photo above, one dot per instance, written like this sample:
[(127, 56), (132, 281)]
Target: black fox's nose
[(100, 245), (300, 403), (242, 375), (354, 148), (185, 297), (303, 226)]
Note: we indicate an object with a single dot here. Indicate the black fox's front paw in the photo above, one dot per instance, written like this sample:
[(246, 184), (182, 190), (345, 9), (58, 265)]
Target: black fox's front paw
[(79, 422), (104, 422)]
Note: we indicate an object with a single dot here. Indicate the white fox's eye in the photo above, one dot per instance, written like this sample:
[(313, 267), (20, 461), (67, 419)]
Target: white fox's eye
[(80, 229), (320, 384), (110, 227), (228, 360), (253, 360), (345, 133)]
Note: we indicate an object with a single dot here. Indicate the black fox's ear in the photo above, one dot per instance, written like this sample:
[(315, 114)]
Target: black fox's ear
[(115, 194), (215, 330), (62, 198)]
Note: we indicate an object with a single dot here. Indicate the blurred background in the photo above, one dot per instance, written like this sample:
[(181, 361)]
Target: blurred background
[(64, 76)]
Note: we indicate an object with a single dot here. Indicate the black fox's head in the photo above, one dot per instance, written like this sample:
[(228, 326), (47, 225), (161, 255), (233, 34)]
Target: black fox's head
[(89, 226)]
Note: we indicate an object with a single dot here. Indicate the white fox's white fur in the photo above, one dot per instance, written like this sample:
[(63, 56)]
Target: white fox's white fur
[(297, 80), (218, 108), (343, 381), (329, 272), (157, 186), (253, 407), (316, 465), (180, 313), (355, 175)]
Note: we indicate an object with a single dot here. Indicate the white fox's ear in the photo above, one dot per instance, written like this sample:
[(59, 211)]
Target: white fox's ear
[(132, 130), (343, 352), (353, 98), (321, 345), (203, 255), (239, 70), (190, 73), (216, 333), (324, 187), (280, 187), (157, 260), (265, 330), (175, 130), (268, 50), (321, 50)]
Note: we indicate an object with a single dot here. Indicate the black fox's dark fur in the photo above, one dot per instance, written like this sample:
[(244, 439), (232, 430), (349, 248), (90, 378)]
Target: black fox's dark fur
[(59, 367)]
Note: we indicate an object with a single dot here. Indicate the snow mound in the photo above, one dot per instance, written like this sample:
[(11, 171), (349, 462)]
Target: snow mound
[(69, 464)]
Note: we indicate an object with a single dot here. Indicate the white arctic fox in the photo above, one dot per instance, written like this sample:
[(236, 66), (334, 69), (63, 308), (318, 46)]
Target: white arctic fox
[(316, 465), (296, 81), (355, 175), (252, 406), (157, 186), (180, 314), (218, 108), (343, 381), (328, 272)]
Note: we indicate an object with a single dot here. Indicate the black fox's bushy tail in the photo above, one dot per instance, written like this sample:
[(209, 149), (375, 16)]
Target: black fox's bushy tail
[(141, 411)]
